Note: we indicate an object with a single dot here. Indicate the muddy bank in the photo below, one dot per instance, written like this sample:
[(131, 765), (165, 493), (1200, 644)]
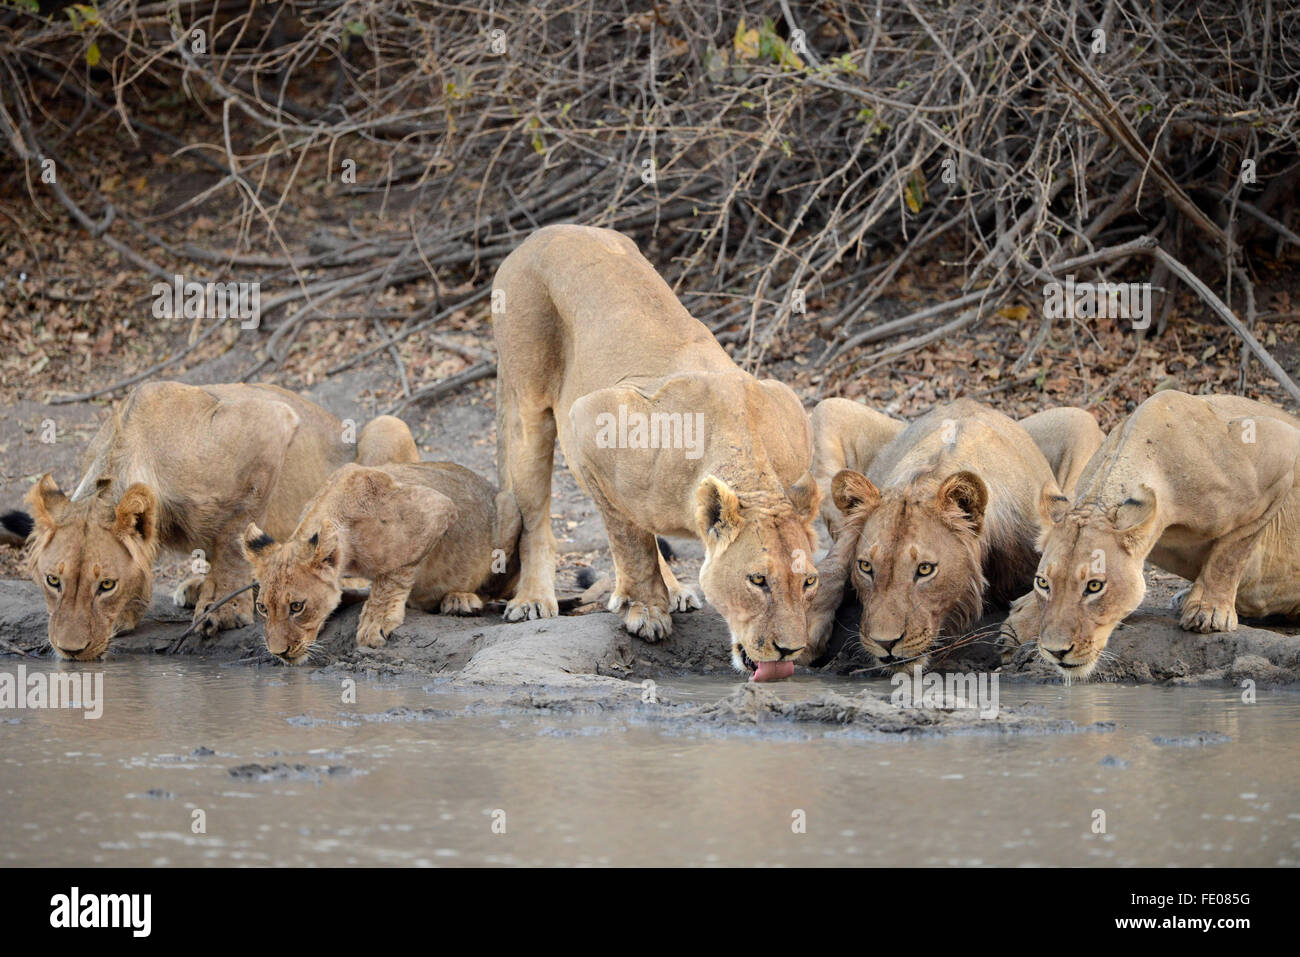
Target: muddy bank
[(587, 663), (579, 663)]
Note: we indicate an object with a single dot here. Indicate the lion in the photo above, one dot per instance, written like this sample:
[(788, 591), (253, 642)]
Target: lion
[(183, 468), (1202, 486), (666, 434), (431, 534), (944, 524)]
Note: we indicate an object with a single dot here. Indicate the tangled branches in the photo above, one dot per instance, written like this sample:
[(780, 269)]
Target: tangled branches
[(781, 169)]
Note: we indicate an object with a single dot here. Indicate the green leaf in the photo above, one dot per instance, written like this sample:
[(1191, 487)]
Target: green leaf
[(92, 54)]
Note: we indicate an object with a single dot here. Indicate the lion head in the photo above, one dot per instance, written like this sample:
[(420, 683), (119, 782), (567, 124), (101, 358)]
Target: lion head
[(93, 560), (758, 570), (299, 585), (1089, 578), (917, 565)]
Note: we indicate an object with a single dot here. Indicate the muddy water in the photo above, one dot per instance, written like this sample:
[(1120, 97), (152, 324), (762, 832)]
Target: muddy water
[(417, 774)]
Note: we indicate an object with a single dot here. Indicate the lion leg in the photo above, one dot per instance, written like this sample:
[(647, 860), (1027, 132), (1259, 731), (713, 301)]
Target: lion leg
[(186, 594), (1021, 625), (385, 609), (640, 591), (529, 455), (680, 597), (1211, 603), (228, 572), (461, 603)]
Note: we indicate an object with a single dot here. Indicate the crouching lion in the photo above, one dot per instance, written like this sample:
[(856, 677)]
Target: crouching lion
[(1204, 487), (183, 468), (945, 521), (431, 534), (664, 431)]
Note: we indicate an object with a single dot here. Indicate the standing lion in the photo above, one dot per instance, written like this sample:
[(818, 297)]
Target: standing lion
[(664, 431)]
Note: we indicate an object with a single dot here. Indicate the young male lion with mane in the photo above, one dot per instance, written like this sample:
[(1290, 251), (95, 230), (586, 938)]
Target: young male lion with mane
[(944, 523), (590, 338), (183, 468)]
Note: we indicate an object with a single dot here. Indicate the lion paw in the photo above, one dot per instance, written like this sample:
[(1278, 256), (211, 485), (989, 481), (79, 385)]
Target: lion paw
[(683, 598), (644, 621), (461, 603), (523, 608), (236, 613), (371, 631), (1204, 616), (186, 594), (1176, 602), (377, 625)]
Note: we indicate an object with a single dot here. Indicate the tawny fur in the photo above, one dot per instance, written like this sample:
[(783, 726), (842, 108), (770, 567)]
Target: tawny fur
[(955, 492), (1202, 486), (585, 327), (431, 534), (213, 459)]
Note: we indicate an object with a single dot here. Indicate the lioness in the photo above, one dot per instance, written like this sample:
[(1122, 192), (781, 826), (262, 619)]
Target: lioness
[(429, 533), (1203, 486), (664, 431), (183, 468), (945, 524)]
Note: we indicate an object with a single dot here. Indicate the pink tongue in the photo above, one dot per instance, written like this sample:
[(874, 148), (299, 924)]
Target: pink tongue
[(772, 671)]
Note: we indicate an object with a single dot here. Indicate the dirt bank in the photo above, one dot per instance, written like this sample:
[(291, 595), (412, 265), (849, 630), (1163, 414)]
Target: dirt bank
[(588, 663)]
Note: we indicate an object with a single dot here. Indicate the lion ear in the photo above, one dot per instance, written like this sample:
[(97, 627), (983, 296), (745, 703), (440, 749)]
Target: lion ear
[(1052, 505), (328, 547), (136, 514), (717, 510), (966, 492), (1135, 517), (805, 496), (853, 493), (254, 541), (47, 502)]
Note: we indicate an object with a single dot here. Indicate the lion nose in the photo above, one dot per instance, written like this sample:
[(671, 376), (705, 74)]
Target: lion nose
[(786, 652), (72, 643), (888, 646), (1060, 655)]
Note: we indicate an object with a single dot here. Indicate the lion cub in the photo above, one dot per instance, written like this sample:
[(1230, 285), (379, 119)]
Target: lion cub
[(944, 522), (430, 533), (1202, 486)]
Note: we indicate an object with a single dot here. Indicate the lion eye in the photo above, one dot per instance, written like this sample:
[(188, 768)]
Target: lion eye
[(1042, 583), (924, 569), (108, 584), (52, 581), (295, 607), (758, 580), (1094, 585), (261, 609), (864, 566), (810, 581)]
